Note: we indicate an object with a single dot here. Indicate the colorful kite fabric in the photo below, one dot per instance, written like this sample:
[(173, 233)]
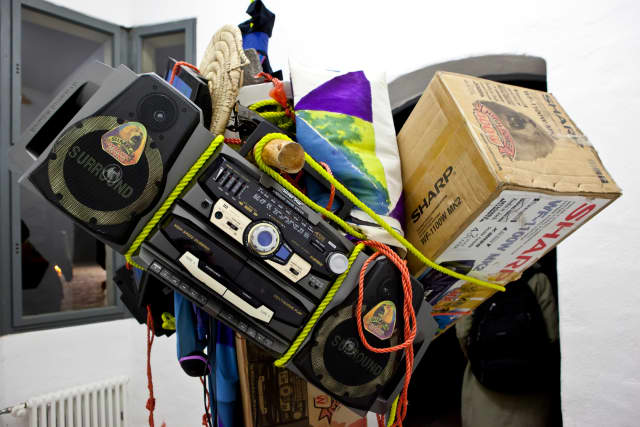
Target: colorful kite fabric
[(344, 119)]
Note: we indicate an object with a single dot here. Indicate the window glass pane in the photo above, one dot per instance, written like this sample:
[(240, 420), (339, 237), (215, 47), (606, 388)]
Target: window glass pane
[(52, 49), (156, 50), (63, 267)]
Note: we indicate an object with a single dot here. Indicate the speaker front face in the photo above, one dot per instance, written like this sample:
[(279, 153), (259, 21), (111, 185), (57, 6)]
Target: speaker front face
[(109, 169), (335, 360)]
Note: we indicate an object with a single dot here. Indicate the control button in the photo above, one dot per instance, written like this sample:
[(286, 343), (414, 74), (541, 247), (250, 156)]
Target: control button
[(184, 287), (337, 263), (236, 188), (264, 238), (230, 183), (224, 177), (242, 326), (283, 253), (294, 271), (227, 316), (251, 332), (174, 281), (218, 173), (268, 342), (202, 299), (165, 274), (155, 267), (218, 215), (232, 226), (195, 295)]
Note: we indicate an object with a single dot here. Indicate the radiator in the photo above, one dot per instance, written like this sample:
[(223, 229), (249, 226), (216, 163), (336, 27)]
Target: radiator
[(101, 404)]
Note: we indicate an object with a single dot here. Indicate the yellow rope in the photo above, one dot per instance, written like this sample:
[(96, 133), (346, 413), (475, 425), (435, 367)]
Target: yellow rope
[(278, 118), (172, 197), (319, 310), (349, 229), (392, 413)]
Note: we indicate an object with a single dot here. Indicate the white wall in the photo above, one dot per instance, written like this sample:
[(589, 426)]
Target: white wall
[(593, 54), (41, 362)]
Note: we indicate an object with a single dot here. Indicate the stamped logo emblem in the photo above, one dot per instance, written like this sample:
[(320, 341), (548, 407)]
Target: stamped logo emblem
[(381, 320), (125, 143)]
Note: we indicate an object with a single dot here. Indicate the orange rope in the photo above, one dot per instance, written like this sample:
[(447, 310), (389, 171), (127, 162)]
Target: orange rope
[(410, 326), (151, 402), (332, 193), (278, 93), (235, 141), (175, 68)]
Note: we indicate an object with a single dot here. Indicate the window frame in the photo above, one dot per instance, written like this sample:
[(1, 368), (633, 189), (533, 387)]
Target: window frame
[(125, 41), (137, 34)]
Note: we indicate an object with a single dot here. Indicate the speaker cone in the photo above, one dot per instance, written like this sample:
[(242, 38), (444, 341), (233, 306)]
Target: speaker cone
[(158, 112)]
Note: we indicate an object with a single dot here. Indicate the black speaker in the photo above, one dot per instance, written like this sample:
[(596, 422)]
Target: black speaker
[(335, 360), (107, 170)]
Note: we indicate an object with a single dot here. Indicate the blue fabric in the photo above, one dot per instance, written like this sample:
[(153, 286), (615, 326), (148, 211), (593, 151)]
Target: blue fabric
[(137, 275), (187, 339), (197, 331), (258, 41)]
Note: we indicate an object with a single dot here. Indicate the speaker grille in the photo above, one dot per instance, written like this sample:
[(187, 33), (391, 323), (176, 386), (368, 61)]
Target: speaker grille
[(91, 185), (342, 364)]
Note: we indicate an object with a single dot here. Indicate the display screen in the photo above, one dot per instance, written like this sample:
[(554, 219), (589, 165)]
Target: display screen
[(179, 84)]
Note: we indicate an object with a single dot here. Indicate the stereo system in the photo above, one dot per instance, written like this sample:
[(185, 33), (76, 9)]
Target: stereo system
[(236, 243)]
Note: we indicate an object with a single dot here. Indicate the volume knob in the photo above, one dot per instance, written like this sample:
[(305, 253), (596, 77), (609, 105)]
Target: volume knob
[(337, 262), (263, 238)]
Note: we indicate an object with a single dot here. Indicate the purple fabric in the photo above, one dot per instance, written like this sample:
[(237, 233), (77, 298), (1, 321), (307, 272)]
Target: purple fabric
[(200, 358), (202, 323), (398, 211), (346, 94)]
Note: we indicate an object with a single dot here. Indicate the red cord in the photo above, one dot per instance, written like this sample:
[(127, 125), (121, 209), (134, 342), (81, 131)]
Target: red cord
[(151, 402), (234, 141), (278, 93), (410, 327), (175, 68), (332, 193), (380, 418), (206, 416), (294, 181)]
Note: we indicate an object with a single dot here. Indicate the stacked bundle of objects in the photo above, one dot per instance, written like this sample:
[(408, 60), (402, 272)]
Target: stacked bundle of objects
[(198, 180)]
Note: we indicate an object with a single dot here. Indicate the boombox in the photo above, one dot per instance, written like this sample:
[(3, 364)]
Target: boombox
[(235, 242)]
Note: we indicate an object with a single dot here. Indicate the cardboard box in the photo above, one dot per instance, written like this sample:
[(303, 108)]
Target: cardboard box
[(270, 396), (494, 177), (325, 411), (277, 397)]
